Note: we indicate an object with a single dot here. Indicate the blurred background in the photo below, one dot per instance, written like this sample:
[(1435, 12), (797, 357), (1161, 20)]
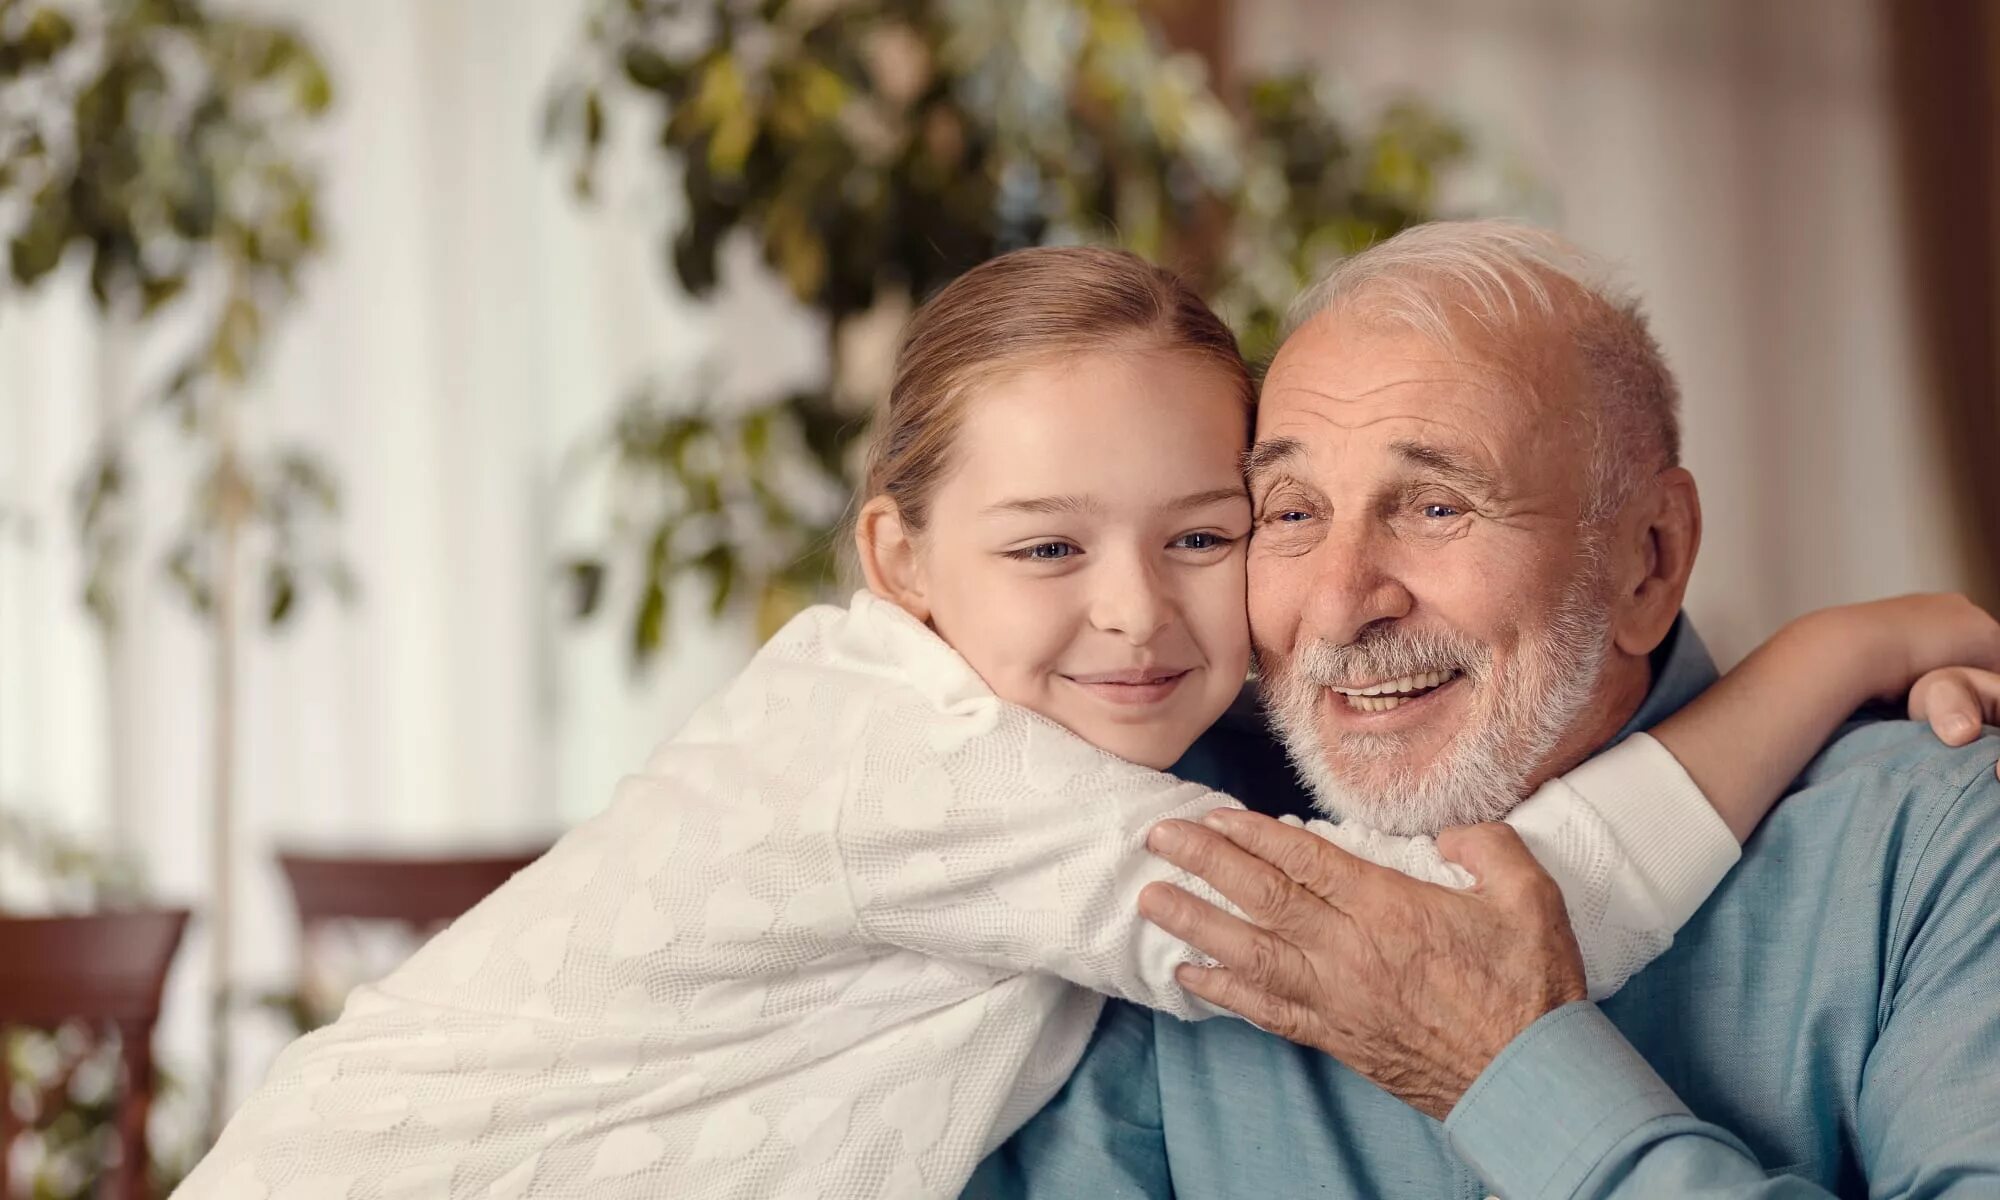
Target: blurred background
[(410, 409)]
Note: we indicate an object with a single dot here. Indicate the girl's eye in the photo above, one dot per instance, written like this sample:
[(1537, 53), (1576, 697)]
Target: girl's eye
[(1044, 552), (1202, 540)]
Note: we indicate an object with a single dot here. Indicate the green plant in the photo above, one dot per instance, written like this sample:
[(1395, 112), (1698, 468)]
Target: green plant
[(160, 140), (874, 149)]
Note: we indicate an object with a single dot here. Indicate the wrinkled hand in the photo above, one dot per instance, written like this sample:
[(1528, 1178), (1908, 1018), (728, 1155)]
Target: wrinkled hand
[(1416, 987)]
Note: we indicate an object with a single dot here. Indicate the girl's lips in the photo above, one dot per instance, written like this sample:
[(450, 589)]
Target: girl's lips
[(1130, 687)]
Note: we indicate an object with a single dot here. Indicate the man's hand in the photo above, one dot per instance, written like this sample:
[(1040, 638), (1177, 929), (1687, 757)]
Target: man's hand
[(1416, 987)]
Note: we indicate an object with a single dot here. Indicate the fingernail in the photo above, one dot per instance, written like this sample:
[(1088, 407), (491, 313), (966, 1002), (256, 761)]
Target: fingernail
[(1217, 818), (1959, 725), (1165, 838)]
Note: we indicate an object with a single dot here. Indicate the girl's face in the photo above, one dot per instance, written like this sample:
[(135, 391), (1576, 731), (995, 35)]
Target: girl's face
[(1085, 551)]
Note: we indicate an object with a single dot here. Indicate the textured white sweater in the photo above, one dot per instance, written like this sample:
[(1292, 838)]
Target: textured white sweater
[(829, 943)]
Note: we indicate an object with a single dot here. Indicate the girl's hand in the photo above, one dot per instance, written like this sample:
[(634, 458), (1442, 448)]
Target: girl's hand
[(1945, 648), (1957, 701)]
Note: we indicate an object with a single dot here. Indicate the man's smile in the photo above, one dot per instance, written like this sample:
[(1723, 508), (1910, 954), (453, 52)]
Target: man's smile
[(1400, 704), (1393, 693)]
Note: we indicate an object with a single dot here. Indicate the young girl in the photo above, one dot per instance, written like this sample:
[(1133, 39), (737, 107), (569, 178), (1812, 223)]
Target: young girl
[(851, 925)]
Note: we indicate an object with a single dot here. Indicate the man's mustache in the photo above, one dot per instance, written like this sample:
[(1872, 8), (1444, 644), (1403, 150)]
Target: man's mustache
[(1381, 652)]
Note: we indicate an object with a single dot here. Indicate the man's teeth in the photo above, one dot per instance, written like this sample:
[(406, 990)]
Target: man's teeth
[(1391, 693)]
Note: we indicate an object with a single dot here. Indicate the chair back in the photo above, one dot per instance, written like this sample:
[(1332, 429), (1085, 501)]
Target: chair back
[(344, 901), (104, 970), (417, 892)]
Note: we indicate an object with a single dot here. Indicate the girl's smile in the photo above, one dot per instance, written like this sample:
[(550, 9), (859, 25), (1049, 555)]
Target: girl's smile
[(1134, 689)]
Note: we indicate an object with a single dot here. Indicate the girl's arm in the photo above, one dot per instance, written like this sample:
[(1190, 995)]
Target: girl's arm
[(983, 833), (986, 834), (995, 837), (1023, 848), (1751, 734), (1636, 856)]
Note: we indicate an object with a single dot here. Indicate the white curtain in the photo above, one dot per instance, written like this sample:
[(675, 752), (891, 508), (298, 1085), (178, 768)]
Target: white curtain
[(470, 326), (1735, 157)]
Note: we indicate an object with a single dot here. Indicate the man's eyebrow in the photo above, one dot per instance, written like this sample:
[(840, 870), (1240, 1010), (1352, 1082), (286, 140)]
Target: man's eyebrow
[(1448, 463), (1048, 506), (1270, 454)]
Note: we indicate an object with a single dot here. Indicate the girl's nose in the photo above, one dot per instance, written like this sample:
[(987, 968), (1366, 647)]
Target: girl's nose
[(1131, 603)]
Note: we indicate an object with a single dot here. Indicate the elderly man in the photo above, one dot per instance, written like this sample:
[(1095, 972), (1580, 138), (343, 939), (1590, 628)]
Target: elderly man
[(1467, 461)]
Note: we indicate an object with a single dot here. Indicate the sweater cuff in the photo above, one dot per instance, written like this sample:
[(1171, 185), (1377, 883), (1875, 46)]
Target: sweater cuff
[(1669, 833), (1561, 1098)]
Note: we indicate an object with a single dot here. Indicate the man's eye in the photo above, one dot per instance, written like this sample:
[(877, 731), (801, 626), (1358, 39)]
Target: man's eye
[(1290, 516), (1442, 512)]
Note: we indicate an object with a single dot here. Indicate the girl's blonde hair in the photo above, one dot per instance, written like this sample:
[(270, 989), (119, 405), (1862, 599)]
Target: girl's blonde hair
[(1017, 311)]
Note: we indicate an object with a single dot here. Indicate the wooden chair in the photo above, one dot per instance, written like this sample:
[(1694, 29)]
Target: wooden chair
[(419, 894), (106, 969)]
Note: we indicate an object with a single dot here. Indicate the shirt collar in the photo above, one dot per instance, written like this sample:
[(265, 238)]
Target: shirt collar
[(1682, 670)]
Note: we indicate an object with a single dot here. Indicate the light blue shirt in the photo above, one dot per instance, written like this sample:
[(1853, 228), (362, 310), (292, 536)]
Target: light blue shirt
[(1828, 1023)]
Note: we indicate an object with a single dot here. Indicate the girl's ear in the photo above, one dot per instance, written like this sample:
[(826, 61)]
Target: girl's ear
[(889, 558)]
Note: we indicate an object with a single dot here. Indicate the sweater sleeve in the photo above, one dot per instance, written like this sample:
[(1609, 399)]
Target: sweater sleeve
[(1012, 843), (1636, 848)]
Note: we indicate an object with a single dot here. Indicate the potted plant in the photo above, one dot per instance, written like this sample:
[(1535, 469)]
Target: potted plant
[(163, 143)]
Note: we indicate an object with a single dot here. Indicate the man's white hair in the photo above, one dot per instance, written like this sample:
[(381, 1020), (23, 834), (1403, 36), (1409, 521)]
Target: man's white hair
[(1508, 280)]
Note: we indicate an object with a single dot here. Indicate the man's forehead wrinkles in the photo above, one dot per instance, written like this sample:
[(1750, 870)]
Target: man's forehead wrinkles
[(1286, 388), (1356, 422)]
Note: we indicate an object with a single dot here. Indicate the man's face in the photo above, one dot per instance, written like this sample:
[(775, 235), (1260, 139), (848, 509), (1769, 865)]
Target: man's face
[(1426, 608)]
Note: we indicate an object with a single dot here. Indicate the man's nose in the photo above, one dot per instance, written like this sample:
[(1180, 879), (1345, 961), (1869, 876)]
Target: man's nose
[(1131, 602), (1354, 584)]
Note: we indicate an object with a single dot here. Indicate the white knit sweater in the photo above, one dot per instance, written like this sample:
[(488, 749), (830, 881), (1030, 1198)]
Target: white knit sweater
[(828, 944)]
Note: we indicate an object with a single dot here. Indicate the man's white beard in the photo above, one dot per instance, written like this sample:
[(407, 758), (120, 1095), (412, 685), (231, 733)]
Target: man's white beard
[(1482, 773)]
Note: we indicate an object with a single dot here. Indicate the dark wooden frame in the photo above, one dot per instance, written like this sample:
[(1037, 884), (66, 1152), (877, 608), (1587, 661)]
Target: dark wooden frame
[(418, 892), (103, 969)]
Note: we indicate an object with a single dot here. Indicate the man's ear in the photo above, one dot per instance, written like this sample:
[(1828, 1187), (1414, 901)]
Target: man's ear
[(889, 558), (1659, 538)]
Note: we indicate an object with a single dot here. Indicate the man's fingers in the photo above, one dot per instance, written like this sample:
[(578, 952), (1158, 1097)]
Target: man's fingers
[(1224, 937), (1497, 857), (1306, 858), (1227, 989), (1250, 883)]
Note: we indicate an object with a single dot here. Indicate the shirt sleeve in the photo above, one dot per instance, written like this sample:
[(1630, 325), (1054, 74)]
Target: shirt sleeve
[(1569, 1109), (1633, 843), (1929, 1109)]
